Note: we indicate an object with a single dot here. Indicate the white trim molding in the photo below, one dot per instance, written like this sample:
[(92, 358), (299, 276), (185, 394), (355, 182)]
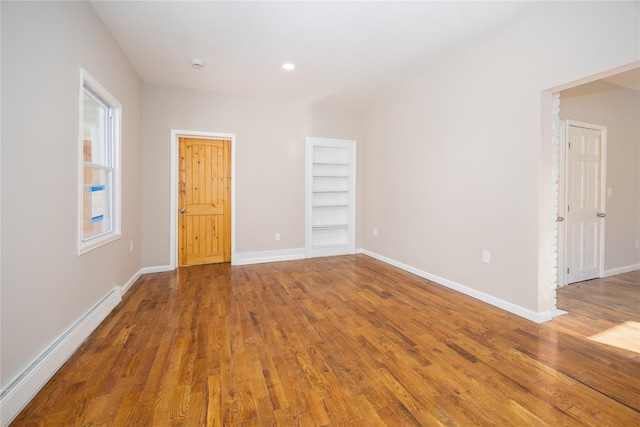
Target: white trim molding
[(489, 299), (621, 270), (23, 388), (157, 269), (125, 288), (244, 258), (557, 312), (173, 218), (557, 200)]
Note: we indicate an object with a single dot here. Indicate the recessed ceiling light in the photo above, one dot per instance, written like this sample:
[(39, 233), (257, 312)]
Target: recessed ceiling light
[(288, 66), (197, 63)]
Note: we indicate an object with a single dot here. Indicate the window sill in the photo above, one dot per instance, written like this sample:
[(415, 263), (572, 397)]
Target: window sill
[(89, 245)]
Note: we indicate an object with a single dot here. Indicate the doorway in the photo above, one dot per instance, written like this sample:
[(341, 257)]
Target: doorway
[(624, 229), (176, 135)]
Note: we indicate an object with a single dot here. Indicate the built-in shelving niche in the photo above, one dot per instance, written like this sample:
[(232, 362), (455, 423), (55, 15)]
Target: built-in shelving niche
[(331, 196)]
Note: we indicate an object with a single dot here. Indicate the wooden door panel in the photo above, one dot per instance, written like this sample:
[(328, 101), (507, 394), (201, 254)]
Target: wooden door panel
[(205, 209), (205, 196)]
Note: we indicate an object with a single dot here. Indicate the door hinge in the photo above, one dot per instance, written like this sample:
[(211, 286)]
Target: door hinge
[(569, 144), (568, 208), (567, 271)]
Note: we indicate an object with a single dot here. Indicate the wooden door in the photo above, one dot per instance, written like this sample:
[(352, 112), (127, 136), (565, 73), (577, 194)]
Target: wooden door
[(584, 203), (204, 201)]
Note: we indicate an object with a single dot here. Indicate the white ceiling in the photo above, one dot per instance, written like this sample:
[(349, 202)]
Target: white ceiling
[(346, 53)]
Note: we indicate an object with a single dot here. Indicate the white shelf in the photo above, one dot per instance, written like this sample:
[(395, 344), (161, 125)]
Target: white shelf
[(329, 226), (330, 223), (330, 164), (337, 245)]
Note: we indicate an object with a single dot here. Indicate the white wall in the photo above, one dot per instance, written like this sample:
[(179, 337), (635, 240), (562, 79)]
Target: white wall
[(458, 160), (618, 108), (270, 162), (46, 286)]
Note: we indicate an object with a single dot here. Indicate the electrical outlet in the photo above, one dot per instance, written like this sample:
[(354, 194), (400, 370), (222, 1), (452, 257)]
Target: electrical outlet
[(375, 231), (131, 246), (486, 257), (277, 237), (608, 192)]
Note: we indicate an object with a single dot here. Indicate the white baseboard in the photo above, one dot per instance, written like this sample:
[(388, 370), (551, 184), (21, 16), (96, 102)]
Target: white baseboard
[(557, 312), (22, 389), (156, 269), (124, 288), (621, 270), (245, 258), (489, 299)]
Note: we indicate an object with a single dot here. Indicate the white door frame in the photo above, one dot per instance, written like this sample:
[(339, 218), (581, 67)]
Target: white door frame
[(562, 199), (562, 154), (173, 219)]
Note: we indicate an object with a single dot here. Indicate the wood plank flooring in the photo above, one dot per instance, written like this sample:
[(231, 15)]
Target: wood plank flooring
[(343, 341)]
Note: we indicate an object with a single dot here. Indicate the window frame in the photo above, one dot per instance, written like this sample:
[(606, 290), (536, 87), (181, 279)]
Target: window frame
[(104, 97)]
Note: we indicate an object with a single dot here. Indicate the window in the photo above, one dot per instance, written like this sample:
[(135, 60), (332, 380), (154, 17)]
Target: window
[(99, 171)]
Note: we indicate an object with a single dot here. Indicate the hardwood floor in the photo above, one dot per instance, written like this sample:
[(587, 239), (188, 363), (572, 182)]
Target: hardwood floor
[(343, 341)]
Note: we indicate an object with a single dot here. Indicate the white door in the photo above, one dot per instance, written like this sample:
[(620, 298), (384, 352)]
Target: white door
[(585, 201)]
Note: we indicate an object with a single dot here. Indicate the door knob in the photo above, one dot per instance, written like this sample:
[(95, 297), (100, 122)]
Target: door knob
[(601, 215), (182, 210), (560, 219)]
